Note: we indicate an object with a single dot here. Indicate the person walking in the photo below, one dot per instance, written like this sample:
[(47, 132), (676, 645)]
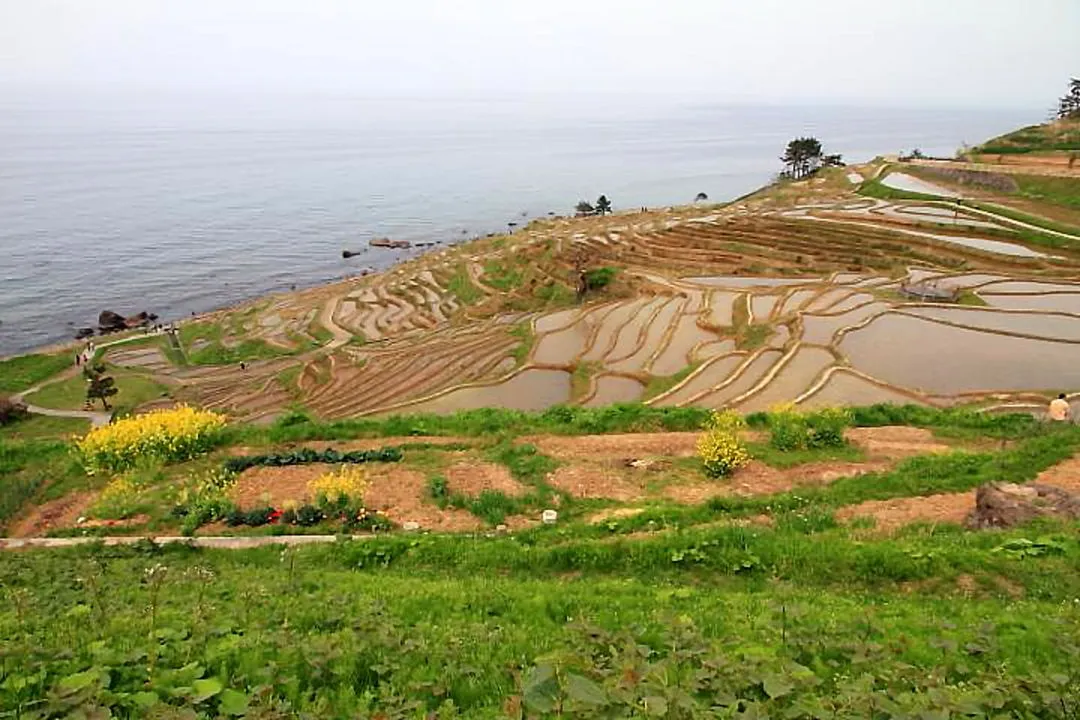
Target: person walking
[(1060, 411)]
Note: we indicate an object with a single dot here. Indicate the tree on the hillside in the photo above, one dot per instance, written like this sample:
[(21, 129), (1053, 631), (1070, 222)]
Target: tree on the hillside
[(99, 386), (603, 205), (1069, 105), (584, 207), (804, 156)]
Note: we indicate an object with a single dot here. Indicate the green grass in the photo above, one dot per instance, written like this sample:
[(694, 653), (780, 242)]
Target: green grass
[(1034, 138), (462, 286), (318, 331), (26, 371), (1054, 190), (134, 390), (502, 275), (38, 427), (581, 378), (754, 336), (660, 384), (213, 349), (373, 629), (876, 189), (523, 332), (679, 612), (1024, 217), (769, 455)]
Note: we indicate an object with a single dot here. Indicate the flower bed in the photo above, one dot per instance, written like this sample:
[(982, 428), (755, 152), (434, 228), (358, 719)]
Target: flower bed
[(171, 435)]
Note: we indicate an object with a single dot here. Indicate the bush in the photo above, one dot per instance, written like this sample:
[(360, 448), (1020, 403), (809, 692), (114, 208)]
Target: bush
[(719, 447), (171, 435), (339, 489), (305, 456), (600, 278), (11, 411), (791, 429)]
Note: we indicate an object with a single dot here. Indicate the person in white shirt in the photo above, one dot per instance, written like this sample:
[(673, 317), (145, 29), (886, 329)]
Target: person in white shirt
[(1059, 409)]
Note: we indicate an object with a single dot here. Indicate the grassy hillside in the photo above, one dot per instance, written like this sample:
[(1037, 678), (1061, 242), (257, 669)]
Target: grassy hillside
[(1061, 135)]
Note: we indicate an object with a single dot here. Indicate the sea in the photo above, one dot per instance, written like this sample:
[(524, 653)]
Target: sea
[(182, 203)]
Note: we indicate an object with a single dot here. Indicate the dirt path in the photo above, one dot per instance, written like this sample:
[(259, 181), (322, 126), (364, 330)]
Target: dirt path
[(226, 543), (63, 512)]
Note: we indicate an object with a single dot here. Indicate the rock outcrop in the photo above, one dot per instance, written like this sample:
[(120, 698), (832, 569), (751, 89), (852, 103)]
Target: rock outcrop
[(109, 321), (1002, 505)]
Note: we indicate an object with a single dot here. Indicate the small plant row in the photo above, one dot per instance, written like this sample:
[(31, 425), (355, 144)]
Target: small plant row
[(306, 456), (310, 514)]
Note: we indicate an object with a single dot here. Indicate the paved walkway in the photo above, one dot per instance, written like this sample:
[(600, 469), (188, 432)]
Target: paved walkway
[(97, 418), (223, 542)]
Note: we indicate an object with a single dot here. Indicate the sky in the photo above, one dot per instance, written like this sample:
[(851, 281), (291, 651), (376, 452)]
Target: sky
[(1003, 53)]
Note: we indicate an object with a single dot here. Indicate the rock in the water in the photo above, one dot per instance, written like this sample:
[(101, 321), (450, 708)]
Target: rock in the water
[(83, 333), (349, 253), (108, 321), (388, 243), (999, 505)]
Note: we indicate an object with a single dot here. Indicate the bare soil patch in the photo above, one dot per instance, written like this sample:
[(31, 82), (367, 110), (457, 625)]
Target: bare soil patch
[(473, 478), (594, 481), (351, 445), (757, 478), (60, 513), (274, 486), (400, 493), (616, 447), (891, 514), (1064, 475), (893, 442), (613, 514)]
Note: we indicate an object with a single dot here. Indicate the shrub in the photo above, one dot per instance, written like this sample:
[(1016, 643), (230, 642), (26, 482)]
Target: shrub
[(343, 487), (118, 500), (791, 429), (170, 435), (826, 427), (11, 411), (719, 447), (599, 278)]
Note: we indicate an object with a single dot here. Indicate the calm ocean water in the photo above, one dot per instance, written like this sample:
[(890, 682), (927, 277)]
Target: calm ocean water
[(173, 205)]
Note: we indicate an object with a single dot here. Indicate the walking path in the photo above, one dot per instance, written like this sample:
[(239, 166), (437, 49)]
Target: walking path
[(97, 418), (221, 542)]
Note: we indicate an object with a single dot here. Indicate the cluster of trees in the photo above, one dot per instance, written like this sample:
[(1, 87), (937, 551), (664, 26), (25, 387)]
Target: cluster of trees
[(1069, 104), (602, 206), (804, 156)]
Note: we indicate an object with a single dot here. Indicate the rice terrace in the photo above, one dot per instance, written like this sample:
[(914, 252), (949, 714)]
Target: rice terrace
[(780, 457)]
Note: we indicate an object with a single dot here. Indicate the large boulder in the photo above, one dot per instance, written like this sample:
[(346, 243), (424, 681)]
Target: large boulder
[(1002, 505), (109, 321)]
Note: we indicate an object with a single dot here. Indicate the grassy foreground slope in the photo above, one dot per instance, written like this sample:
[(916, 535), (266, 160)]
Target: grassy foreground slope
[(761, 606)]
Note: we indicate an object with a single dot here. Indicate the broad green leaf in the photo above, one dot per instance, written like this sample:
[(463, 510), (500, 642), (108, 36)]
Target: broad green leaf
[(78, 681), (776, 686), (541, 689), (655, 705), (233, 702), (583, 690), (145, 699), (205, 689)]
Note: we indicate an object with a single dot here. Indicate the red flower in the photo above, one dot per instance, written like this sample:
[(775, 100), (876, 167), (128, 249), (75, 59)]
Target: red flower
[(274, 515)]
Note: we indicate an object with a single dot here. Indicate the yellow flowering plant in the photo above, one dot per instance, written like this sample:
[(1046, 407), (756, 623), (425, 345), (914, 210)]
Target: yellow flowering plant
[(719, 447), (171, 435), (343, 486)]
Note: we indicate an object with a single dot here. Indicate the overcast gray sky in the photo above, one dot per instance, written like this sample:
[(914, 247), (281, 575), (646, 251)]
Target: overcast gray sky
[(964, 52)]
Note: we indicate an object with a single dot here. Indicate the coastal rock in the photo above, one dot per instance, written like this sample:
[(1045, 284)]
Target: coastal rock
[(350, 253), (388, 243), (83, 333), (109, 321), (1002, 505)]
